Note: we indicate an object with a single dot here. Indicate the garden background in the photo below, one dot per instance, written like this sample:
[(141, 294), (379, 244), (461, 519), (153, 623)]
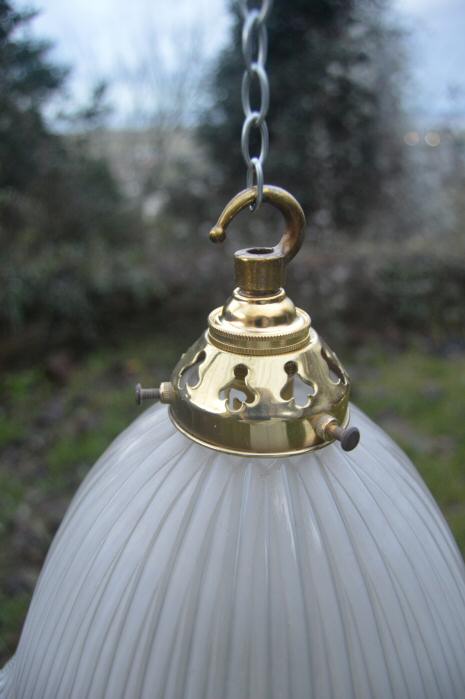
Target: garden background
[(115, 161)]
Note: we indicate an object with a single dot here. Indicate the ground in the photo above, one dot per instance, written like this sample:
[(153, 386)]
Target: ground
[(59, 416)]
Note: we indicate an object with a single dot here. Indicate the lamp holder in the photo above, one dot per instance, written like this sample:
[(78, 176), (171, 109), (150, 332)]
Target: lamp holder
[(260, 380)]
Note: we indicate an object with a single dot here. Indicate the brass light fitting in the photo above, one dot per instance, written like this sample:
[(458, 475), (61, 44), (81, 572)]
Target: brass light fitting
[(260, 380)]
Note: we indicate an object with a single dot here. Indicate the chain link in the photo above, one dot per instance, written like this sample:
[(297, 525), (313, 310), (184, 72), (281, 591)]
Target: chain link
[(255, 40)]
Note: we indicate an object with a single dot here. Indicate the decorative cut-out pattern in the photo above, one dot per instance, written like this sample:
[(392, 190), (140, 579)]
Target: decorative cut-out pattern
[(237, 392), (335, 372), (296, 387), (190, 374)]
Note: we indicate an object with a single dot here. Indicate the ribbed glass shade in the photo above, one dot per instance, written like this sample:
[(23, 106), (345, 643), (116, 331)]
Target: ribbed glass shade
[(180, 572)]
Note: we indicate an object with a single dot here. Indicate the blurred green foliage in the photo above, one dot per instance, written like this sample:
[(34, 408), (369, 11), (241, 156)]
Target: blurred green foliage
[(372, 290), (78, 261), (68, 237)]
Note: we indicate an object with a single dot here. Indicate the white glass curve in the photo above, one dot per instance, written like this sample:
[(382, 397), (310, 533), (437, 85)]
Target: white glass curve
[(183, 573)]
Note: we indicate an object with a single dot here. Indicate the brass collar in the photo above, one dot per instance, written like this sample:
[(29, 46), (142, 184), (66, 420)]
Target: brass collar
[(259, 325)]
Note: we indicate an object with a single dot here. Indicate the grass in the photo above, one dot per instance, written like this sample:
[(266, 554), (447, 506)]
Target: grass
[(51, 434), (420, 400)]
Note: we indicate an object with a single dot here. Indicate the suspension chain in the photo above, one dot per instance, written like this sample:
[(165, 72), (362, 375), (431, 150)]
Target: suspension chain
[(255, 38)]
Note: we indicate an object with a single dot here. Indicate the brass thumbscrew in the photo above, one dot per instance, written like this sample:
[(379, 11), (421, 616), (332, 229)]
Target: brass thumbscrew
[(164, 394), (328, 428), (349, 437)]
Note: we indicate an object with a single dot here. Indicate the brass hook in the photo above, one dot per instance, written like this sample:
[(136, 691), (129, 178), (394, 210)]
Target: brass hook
[(294, 217)]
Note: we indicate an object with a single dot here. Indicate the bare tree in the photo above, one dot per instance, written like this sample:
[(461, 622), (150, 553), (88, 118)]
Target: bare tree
[(161, 85)]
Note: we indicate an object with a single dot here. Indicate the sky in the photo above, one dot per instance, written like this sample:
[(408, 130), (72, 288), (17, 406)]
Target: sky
[(100, 38), (436, 49)]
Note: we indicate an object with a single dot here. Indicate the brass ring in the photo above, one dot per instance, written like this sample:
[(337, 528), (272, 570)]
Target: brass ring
[(290, 208)]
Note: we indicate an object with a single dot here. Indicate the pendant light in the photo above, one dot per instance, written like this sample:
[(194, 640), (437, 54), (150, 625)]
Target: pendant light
[(226, 546), (238, 541)]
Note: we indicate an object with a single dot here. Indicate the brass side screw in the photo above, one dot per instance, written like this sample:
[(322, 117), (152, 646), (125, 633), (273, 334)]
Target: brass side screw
[(349, 437), (328, 428), (146, 394), (164, 393)]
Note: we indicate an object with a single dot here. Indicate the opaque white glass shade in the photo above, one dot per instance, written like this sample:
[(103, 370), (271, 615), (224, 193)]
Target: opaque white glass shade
[(180, 572)]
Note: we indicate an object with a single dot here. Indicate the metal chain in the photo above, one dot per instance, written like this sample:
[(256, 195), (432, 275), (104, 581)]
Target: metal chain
[(255, 38)]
